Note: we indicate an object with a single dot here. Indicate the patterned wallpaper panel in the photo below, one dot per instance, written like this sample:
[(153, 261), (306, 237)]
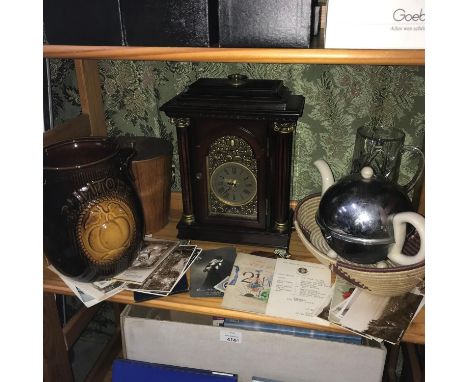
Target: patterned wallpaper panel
[(338, 99)]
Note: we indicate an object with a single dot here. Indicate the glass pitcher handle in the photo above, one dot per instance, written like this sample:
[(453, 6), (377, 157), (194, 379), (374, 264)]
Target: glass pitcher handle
[(413, 149)]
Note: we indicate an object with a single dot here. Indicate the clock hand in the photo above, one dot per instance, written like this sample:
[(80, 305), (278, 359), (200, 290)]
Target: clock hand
[(231, 182)]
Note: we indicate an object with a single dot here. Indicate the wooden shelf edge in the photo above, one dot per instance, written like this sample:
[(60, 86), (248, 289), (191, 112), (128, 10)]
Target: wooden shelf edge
[(212, 307), (254, 55)]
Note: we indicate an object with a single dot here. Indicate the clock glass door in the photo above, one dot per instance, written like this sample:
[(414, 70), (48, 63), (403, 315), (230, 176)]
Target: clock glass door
[(232, 179), (228, 172)]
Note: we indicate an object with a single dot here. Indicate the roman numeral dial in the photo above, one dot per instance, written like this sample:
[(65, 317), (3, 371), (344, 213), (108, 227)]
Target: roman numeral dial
[(233, 184)]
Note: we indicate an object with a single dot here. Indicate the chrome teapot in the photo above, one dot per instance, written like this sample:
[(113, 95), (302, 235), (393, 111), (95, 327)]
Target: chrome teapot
[(363, 218)]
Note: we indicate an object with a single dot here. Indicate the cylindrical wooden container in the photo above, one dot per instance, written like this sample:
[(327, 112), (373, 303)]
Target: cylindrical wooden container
[(152, 169)]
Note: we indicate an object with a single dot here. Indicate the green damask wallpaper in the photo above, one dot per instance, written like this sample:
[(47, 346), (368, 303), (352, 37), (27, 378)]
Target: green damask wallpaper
[(339, 99)]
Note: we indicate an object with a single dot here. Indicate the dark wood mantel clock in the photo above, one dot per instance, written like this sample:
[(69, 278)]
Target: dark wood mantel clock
[(235, 146)]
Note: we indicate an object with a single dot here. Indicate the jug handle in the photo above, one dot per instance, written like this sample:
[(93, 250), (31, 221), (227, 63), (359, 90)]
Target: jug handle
[(126, 154), (413, 149), (399, 230)]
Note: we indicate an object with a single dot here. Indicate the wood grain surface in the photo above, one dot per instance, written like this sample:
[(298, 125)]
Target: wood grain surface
[(89, 87), (73, 128), (153, 183), (257, 55)]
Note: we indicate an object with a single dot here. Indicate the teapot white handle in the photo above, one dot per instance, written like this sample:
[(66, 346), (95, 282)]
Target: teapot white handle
[(399, 231)]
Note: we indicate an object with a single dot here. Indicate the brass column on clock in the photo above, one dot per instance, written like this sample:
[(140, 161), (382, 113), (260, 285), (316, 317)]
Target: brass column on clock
[(182, 125), (235, 141), (283, 133)]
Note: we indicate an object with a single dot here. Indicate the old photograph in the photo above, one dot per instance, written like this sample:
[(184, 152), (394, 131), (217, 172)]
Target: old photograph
[(92, 293), (210, 269), (168, 273), (376, 317), (152, 254)]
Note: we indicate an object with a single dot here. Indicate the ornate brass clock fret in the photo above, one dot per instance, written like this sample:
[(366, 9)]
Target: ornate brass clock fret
[(232, 172)]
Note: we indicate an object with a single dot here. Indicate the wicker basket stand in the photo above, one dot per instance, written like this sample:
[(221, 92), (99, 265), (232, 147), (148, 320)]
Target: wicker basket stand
[(393, 280)]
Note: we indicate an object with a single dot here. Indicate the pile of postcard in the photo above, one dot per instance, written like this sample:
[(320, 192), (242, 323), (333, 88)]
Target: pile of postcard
[(304, 291), (280, 287), (374, 317), (157, 269)]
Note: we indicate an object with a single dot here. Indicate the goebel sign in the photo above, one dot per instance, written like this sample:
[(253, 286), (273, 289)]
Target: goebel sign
[(401, 15), (389, 24)]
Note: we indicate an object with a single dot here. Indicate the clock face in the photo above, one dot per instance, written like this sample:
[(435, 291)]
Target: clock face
[(233, 184)]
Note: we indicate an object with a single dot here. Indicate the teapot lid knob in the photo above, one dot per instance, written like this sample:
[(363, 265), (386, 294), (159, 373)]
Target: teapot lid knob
[(367, 172)]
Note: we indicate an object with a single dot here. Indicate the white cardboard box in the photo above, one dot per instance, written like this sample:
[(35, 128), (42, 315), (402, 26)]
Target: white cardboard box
[(375, 24), (189, 340)]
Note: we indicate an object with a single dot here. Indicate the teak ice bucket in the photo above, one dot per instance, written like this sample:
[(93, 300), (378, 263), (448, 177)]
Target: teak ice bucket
[(151, 167)]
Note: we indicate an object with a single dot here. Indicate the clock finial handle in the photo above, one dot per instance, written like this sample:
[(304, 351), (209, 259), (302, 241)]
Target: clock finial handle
[(237, 79)]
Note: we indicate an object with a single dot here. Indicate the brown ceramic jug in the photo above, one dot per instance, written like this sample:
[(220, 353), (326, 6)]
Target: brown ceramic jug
[(93, 220)]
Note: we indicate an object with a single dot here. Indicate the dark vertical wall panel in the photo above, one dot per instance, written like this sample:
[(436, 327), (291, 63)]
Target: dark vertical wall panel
[(165, 22), (82, 22), (265, 23)]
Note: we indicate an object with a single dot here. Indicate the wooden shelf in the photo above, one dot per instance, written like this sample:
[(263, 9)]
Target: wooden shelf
[(212, 306), (255, 55), (92, 121)]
